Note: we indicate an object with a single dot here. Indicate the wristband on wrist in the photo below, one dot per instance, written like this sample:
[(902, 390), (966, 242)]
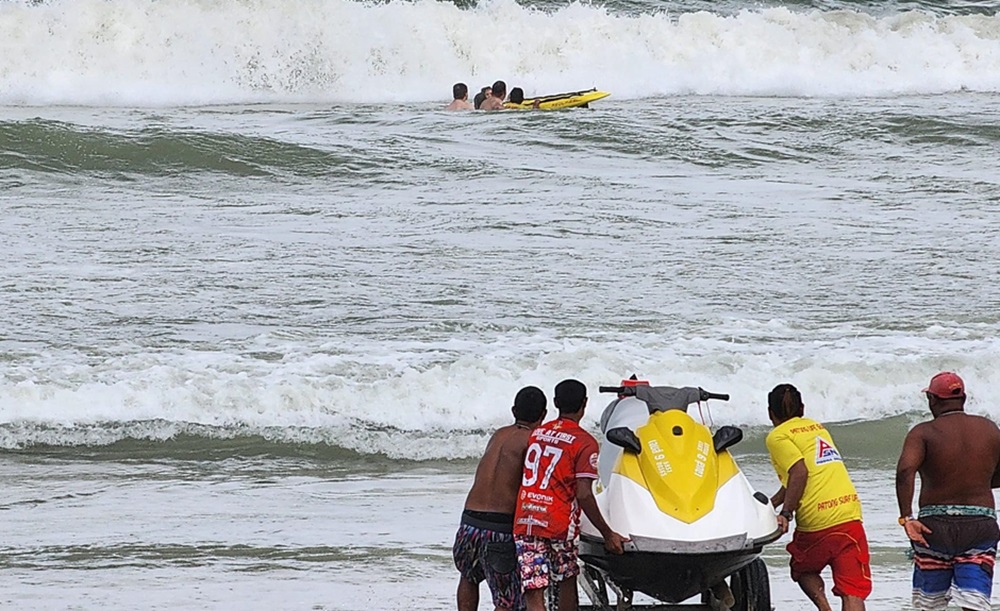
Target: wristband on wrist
[(904, 519), (785, 514)]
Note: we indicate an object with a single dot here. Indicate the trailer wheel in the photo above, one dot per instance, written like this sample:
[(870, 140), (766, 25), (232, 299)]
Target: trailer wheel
[(751, 587)]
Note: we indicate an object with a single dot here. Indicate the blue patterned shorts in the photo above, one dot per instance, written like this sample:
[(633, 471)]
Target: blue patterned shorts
[(956, 565)]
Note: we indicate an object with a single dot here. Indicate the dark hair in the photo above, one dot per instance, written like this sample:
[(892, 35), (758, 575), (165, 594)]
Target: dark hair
[(459, 91), (529, 404), (499, 89), (478, 100), (569, 396), (517, 95), (785, 402)]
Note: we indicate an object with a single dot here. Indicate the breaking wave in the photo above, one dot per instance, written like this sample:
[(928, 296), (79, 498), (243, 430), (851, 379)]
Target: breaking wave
[(175, 52)]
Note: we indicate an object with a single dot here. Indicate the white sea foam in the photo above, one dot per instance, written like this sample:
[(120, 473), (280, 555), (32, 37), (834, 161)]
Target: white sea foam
[(437, 401), (166, 52)]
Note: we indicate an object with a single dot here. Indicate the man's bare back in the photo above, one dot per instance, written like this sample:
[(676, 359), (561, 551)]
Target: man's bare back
[(954, 535), (498, 476), (459, 105), (492, 103), (960, 457), (484, 546)]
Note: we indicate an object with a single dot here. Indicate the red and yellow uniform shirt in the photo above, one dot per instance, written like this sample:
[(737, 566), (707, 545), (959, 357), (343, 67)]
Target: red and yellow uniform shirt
[(559, 453), (829, 498)]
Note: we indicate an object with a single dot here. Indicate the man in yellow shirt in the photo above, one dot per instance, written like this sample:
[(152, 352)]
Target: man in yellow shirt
[(817, 491)]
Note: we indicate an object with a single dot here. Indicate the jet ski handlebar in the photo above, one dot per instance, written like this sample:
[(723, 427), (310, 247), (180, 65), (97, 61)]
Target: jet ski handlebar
[(705, 395), (629, 391)]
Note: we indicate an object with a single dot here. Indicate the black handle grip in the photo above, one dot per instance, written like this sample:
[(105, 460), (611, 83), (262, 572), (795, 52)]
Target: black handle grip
[(628, 391), (705, 395)]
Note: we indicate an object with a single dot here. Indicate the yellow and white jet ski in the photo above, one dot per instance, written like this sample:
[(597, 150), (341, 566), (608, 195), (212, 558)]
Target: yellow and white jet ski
[(670, 485)]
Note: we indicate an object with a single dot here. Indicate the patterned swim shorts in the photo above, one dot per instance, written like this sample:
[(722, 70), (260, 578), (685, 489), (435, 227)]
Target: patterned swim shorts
[(485, 554), (544, 561), (957, 563)]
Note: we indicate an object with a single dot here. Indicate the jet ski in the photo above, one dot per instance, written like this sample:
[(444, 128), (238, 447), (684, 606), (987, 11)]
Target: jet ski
[(670, 485)]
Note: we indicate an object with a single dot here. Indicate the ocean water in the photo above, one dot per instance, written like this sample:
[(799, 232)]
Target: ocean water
[(263, 301)]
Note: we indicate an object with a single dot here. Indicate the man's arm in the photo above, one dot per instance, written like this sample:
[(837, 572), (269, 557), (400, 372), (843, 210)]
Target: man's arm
[(798, 475), (784, 456), (995, 481), (910, 460), (779, 497), (585, 498)]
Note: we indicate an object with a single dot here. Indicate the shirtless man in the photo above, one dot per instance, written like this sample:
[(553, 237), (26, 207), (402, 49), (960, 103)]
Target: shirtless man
[(482, 95), (495, 100), (484, 546), (954, 536), (460, 91)]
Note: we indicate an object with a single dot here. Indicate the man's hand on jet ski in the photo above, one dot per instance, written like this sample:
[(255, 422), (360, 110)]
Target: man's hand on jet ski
[(783, 523), (613, 542)]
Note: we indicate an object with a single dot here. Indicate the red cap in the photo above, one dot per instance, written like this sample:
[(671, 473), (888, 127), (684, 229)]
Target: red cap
[(946, 385)]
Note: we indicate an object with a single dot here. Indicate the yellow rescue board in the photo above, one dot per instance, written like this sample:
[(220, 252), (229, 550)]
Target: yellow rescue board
[(560, 100)]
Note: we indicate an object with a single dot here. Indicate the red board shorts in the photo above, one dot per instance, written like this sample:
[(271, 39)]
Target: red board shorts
[(843, 548)]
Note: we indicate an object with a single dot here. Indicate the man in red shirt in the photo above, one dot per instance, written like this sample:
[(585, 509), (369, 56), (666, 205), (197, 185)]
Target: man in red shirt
[(560, 467)]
